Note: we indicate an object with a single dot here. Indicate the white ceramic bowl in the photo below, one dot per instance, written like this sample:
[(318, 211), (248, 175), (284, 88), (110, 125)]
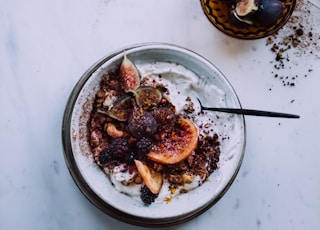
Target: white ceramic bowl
[(214, 90)]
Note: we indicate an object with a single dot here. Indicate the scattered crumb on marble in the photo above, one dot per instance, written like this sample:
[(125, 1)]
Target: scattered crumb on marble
[(295, 41)]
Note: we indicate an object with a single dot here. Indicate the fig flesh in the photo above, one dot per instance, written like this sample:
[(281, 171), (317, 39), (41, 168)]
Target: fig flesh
[(121, 109), (147, 97), (246, 7), (129, 74), (237, 21)]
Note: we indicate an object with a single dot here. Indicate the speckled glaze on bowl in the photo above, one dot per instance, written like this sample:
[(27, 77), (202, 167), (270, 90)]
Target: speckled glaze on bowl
[(93, 182), (217, 12)]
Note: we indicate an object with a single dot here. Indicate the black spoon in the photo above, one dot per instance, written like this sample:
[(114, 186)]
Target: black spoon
[(251, 112)]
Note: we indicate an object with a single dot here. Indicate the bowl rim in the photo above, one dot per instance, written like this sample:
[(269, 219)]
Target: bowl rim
[(79, 179)]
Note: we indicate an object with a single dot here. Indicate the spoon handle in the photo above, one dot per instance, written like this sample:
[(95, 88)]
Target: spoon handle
[(252, 112)]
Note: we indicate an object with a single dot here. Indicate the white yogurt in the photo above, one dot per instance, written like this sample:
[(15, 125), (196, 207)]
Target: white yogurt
[(122, 181)]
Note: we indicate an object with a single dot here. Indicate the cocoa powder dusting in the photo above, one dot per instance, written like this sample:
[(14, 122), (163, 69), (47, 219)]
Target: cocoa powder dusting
[(295, 45)]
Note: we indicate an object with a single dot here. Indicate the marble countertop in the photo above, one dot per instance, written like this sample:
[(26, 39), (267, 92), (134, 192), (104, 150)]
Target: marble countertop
[(46, 46)]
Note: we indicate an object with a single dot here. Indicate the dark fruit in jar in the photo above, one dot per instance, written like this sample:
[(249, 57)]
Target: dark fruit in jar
[(141, 123), (269, 12), (129, 74), (147, 97), (122, 109), (248, 12)]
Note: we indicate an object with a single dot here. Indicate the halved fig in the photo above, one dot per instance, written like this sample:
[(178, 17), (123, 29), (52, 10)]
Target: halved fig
[(246, 7), (121, 109), (181, 144), (152, 179), (129, 75), (147, 97), (240, 22)]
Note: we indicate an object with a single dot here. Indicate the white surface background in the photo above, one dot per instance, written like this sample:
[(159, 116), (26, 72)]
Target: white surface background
[(45, 47)]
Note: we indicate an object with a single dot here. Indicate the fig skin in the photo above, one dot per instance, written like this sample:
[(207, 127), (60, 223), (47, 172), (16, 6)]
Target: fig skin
[(269, 12), (129, 74)]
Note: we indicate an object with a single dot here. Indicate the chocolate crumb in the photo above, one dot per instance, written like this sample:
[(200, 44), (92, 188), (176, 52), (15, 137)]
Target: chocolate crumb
[(299, 32)]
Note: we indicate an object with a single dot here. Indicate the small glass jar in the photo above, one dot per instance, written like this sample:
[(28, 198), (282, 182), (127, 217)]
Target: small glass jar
[(219, 13)]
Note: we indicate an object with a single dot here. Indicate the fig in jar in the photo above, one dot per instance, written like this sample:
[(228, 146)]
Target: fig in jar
[(269, 12), (240, 13), (256, 12), (246, 7)]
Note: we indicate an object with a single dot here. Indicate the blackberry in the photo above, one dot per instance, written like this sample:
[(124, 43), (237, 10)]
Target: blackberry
[(144, 145), (105, 156), (129, 158), (147, 196), (119, 147)]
